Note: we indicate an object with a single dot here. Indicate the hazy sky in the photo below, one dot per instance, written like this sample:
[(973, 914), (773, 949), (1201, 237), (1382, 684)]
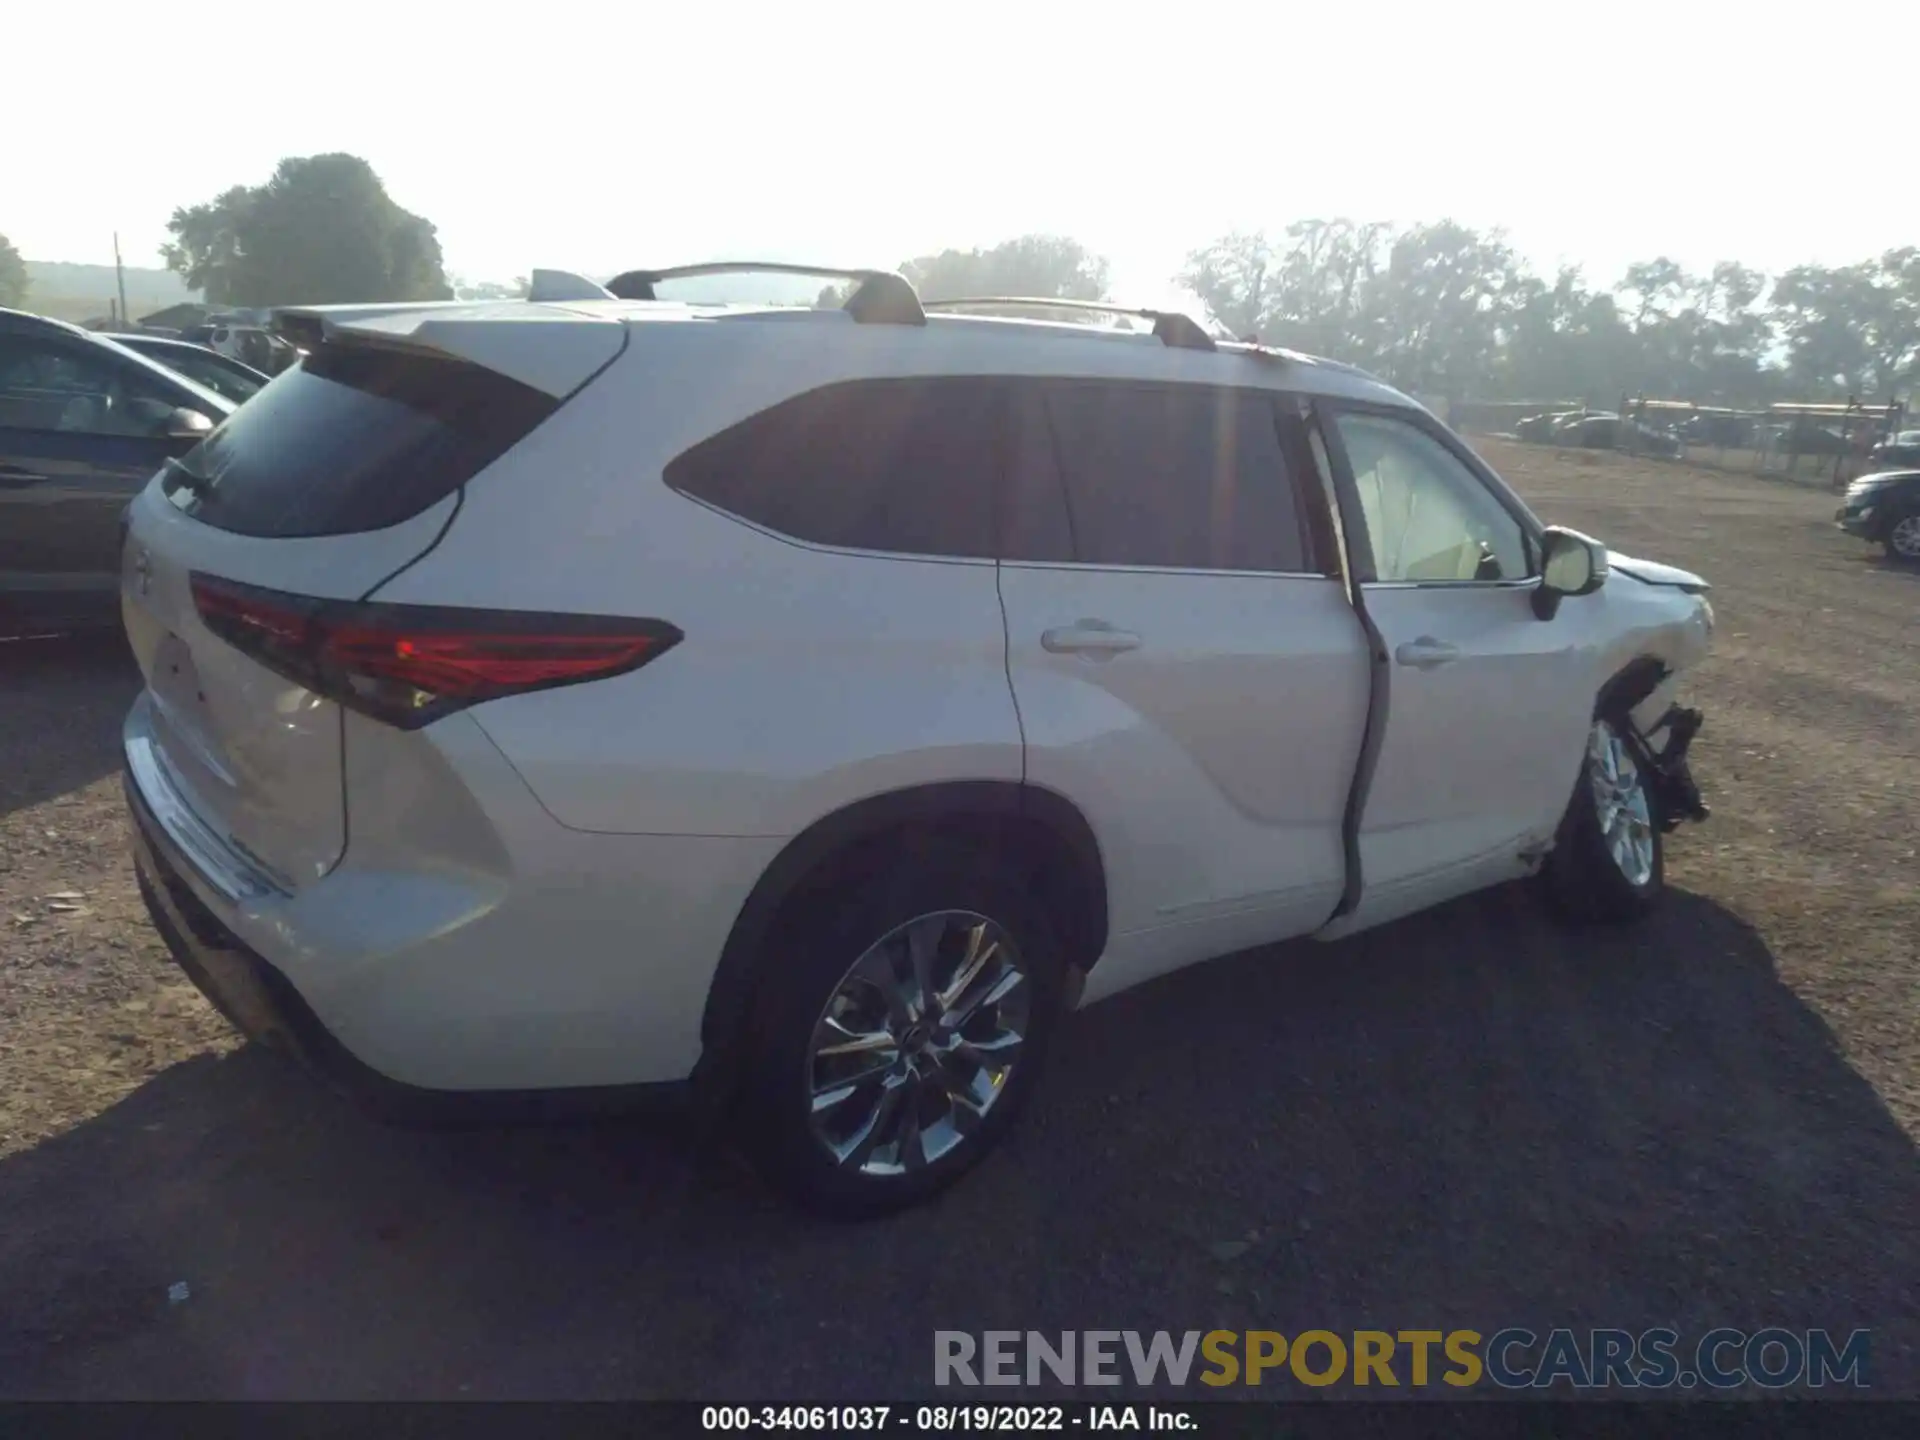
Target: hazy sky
[(597, 137)]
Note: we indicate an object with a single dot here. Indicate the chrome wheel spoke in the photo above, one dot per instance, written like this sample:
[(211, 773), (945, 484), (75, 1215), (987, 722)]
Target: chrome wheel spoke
[(895, 980), (878, 1128), (842, 1088), (842, 1041), (923, 945), (910, 1149), (1004, 986), (980, 950), (966, 1107), (1620, 803), (990, 1050)]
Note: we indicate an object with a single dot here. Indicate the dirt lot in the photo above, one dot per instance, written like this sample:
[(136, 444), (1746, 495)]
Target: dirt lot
[(1470, 1118)]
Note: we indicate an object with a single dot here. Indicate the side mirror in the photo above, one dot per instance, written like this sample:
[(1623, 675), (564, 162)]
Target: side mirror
[(1571, 564), (185, 424)]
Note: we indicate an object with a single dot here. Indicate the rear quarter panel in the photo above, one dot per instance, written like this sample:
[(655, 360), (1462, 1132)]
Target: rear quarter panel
[(808, 678)]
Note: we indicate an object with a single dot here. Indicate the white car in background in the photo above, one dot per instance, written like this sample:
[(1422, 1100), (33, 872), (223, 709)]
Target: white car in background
[(811, 707)]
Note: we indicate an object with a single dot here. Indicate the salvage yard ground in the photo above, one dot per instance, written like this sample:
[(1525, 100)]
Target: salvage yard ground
[(1471, 1118)]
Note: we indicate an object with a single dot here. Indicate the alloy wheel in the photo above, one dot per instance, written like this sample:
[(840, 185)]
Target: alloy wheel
[(1621, 801), (1905, 536), (917, 1043)]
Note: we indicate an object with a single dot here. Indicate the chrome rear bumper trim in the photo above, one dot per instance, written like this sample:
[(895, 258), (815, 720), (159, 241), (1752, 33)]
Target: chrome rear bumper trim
[(213, 857)]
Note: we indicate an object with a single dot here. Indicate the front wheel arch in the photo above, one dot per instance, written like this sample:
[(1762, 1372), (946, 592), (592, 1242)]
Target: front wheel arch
[(1630, 685)]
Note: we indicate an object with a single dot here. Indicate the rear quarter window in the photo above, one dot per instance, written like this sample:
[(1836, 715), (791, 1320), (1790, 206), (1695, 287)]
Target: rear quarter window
[(353, 439), (907, 466)]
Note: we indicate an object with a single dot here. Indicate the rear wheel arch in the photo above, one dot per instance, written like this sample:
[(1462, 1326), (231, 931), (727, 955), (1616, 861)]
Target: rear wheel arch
[(1046, 831)]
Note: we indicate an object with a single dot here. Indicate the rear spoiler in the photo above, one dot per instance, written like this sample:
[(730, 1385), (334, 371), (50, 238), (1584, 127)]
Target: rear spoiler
[(309, 326), (553, 350)]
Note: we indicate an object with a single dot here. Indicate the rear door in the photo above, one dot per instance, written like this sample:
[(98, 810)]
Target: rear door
[(81, 430), (1486, 707), (322, 487), (1186, 669)]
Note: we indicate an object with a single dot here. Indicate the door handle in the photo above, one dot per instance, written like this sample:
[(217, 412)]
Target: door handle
[(13, 477), (1095, 639), (1427, 653)]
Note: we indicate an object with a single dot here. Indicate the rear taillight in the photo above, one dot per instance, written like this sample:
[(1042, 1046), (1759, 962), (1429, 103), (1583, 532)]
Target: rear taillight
[(410, 664)]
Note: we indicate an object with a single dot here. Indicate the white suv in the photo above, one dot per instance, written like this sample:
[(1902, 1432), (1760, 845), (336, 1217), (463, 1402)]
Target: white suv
[(581, 693)]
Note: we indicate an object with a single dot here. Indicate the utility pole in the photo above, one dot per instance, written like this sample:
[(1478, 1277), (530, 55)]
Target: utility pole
[(120, 279)]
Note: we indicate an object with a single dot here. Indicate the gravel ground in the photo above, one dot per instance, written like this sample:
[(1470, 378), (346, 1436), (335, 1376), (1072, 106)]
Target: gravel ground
[(1471, 1118)]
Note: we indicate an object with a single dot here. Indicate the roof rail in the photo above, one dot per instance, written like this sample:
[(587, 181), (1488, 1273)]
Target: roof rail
[(1174, 329), (881, 297)]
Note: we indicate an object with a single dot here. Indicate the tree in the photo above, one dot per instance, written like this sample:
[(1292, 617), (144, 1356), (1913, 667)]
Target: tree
[(1308, 293), (1029, 267), (322, 230), (1855, 328), (13, 275), (1445, 309), (1237, 279), (1657, 287), (1032, 265), (1563, 342), (1441, 307)]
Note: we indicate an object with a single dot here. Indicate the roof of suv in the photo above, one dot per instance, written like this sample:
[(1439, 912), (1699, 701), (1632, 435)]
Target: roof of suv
[(522, 337)]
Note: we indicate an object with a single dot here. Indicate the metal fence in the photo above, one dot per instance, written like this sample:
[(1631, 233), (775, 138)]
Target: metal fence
[(1816, 442)]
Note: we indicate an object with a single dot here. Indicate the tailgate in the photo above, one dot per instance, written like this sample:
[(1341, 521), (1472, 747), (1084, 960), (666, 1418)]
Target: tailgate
[(332, 479), (253, 755)]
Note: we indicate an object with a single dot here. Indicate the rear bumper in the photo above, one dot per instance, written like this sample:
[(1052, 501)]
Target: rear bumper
[(466, 942), (262, 1004)]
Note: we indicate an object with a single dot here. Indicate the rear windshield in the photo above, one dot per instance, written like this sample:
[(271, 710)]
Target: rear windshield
[(353, 438)]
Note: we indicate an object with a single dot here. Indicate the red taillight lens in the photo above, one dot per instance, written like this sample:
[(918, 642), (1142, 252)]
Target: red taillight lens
[(410, 664)]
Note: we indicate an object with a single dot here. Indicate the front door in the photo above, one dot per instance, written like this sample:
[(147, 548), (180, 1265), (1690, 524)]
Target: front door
[(1487, 707)]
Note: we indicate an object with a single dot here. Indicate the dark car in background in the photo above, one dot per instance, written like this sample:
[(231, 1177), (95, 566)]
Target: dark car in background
[(1885, 507), (84, 424), (1725, 431), (1803, 437), (1604, 430), (1902, 452), (222, 374), (250, 344), (1538, 429)]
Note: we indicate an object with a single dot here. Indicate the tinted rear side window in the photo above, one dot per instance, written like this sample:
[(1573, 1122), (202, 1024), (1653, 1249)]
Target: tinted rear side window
[(354, 438), (908, 466), (1177, 476)]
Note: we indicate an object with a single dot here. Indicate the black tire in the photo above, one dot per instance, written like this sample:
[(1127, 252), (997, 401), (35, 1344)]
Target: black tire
[(812, 952), (1584, 881)]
